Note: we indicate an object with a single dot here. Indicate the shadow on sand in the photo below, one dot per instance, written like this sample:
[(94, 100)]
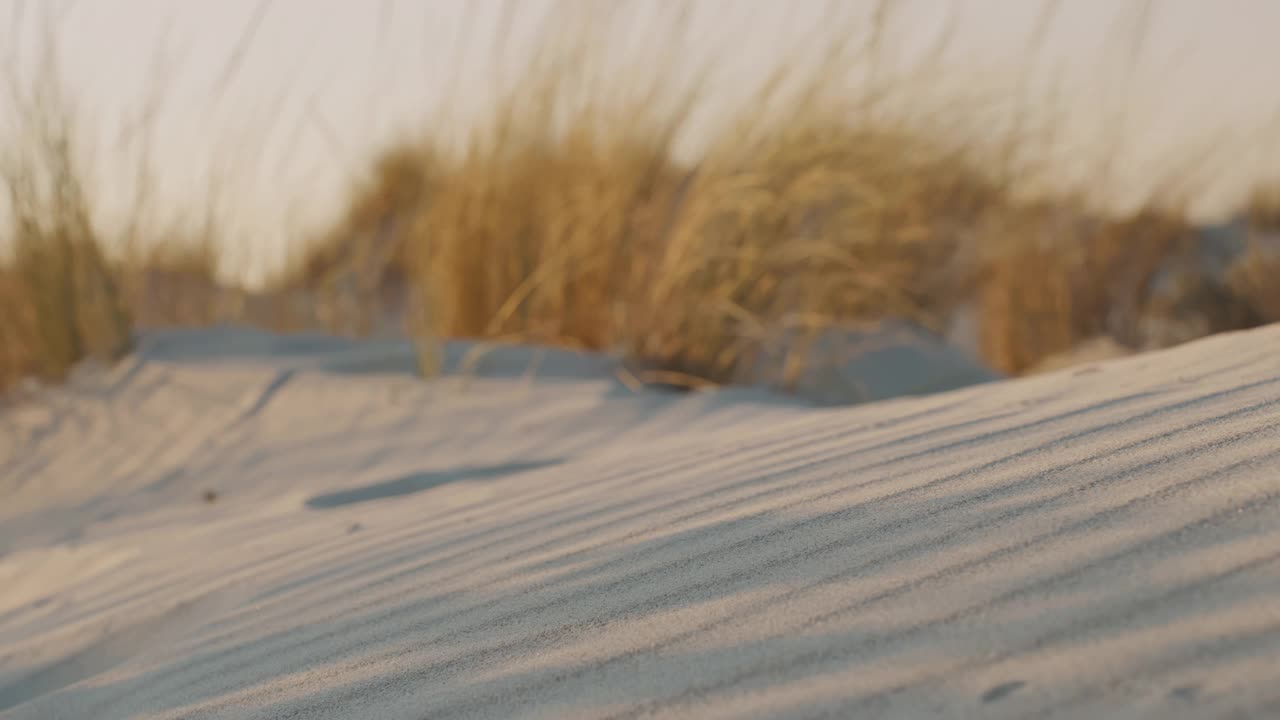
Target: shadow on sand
[(420, 482)]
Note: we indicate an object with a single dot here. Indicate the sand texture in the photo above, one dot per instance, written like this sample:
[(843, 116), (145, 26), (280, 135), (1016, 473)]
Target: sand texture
[(232, 525)]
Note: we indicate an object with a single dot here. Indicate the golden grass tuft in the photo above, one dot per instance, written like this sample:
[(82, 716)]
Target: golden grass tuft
[(1254, 277), (62, 303), (570, 219), (66, 299), (17, 330), (1262, 208), (61, 306), (1254, 280), (1053, 277), (608, 244)]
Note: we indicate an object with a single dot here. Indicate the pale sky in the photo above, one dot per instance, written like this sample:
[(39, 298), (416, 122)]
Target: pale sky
[(318, 84)]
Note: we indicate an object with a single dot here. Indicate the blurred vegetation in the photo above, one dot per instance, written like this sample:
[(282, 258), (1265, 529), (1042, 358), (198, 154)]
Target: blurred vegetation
[(571, 217)]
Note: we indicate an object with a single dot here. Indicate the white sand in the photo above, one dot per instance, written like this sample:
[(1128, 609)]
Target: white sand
[(1098, 542)]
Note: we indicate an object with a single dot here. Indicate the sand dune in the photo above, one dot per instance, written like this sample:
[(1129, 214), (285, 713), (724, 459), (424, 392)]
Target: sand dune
[(1101, 541)]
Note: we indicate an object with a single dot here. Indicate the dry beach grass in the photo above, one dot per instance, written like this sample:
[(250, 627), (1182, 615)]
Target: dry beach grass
[(570, 216)]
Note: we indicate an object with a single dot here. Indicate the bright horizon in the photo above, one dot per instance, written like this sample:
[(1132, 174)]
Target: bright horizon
[(287, 99)]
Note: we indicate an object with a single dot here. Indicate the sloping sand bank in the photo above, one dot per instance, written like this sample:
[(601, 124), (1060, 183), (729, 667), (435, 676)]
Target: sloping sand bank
[(258, 528)]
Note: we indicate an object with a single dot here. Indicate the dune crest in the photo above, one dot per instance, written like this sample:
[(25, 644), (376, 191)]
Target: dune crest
[(233, 525)]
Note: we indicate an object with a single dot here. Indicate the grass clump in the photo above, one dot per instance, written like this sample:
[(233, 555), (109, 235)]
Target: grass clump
[(17, 330), (572, 217), (819, 222), (607, 243), (1055, 276), (62, 299), (1254, 277)]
